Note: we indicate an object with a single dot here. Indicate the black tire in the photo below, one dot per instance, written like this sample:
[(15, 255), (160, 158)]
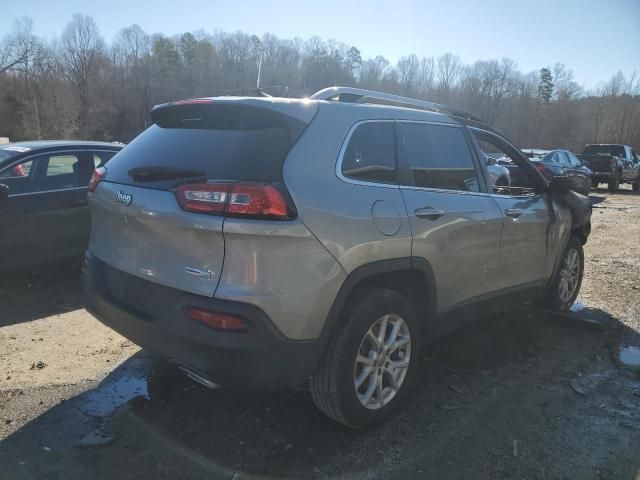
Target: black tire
[(332, 385), (635, 186), (614, 184), (594, 183), (553, 298)]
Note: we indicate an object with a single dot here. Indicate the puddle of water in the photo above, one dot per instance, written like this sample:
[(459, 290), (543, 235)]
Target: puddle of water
[(122, 385), (630, 356), (577, 306)]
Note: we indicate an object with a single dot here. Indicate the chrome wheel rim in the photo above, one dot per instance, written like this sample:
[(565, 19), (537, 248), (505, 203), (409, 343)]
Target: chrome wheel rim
[(382, 362), (569, 275)]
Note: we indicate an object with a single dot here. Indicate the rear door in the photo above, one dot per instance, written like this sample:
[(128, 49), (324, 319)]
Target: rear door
[(139, 227), (45, 216), (454, 222)]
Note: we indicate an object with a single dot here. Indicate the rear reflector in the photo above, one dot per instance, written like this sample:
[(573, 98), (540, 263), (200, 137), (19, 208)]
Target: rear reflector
[(98, 175), (219, 321), (256, 200)]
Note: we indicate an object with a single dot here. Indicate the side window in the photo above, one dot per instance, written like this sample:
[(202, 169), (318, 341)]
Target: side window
[(61, 165), (563, 159), (574, 160), (100, 158), (521, 181), (438, 156), (48, 173), (370, 154), (20, 170)]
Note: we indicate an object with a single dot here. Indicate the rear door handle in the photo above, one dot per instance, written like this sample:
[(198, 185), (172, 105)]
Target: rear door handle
[(513, 212), (429, 212)]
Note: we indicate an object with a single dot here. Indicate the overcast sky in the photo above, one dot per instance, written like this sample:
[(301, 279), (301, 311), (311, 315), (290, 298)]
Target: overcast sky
[(594, 38)]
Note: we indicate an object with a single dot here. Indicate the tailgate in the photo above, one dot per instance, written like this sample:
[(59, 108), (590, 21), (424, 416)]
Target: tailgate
[(149, 236), (597, 163)]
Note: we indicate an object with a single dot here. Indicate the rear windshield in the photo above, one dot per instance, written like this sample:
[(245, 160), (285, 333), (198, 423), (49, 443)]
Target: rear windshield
[(221, 142), (617, 150)]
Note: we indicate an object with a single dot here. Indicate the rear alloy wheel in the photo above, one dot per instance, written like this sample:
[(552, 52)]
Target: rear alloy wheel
[(566, 285), (382, 362), (370, 362)]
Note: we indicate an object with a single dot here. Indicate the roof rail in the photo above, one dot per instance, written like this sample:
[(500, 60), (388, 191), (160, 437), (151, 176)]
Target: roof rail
[(359, 95)]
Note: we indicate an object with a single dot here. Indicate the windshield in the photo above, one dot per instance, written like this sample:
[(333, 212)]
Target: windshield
[(6, 155)]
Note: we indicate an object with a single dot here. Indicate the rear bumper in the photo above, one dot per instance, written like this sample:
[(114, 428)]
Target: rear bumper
[(260, 358), (602, 176)]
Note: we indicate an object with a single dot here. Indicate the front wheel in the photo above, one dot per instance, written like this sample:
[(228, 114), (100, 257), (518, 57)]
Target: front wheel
[(370, 361), (566, 284)]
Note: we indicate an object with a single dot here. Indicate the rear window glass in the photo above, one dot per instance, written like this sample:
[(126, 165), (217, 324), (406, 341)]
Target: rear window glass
[(221, 142), (617, 150), (370, 155), (438, 156)]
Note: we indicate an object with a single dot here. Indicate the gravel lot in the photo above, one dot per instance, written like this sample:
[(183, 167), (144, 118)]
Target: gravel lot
[(523, 394)]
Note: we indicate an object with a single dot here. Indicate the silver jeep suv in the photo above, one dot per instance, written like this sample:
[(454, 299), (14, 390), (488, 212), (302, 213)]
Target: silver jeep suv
[(269, 242)]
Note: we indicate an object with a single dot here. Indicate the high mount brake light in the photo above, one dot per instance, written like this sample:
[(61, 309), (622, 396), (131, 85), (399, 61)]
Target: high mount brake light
[(97, 176), (191, 101), (243, 199)]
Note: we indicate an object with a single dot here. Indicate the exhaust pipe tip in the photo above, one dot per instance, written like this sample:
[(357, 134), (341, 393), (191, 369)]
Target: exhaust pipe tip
[(199, 378)]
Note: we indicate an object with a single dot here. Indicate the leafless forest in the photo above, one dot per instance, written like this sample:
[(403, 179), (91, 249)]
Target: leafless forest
[(79, 86)]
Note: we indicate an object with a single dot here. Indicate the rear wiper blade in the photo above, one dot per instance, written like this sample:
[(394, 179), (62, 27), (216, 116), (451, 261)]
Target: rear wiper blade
[(150, 174)]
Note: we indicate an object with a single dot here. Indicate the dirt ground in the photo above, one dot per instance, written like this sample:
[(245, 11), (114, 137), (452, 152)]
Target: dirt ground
[(526, 394)]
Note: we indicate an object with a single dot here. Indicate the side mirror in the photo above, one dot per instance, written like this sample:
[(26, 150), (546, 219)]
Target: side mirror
[(560, 185), (4, 190)]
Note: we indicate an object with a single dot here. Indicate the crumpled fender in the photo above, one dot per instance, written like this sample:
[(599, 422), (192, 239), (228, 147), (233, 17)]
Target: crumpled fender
[(580, 208)]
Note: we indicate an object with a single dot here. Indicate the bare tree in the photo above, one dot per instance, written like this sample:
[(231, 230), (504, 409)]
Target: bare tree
[(82, 49), (449, 67), (79, 85), (408, 69)]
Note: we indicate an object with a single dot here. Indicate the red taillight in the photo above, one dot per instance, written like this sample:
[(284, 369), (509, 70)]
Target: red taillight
[(203, 197), (540, 167), (98, 175), (217, 320), (235, 199)]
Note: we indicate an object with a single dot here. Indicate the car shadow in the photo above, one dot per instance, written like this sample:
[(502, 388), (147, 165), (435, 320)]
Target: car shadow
[(623, 190), (508, 376), (30, 296)]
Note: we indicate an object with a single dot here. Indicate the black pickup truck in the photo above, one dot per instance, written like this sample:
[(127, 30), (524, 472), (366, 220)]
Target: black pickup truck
[(612, 164)]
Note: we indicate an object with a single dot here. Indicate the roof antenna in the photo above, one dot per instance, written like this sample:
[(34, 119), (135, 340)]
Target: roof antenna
[(258, 91)]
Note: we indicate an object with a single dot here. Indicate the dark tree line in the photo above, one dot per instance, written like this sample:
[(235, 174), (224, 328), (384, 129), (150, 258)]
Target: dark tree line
[(79, 86)]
